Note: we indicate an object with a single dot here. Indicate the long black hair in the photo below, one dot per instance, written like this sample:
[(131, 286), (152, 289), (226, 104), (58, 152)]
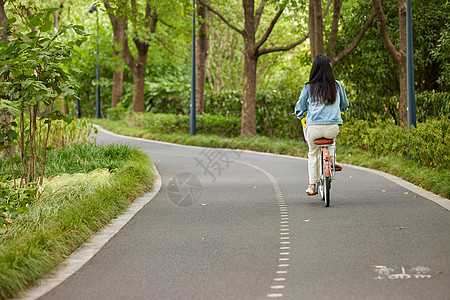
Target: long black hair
[(322, 85)]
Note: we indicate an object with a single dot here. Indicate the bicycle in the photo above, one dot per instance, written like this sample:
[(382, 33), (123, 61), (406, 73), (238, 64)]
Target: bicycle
[(326, 168), (327, 164)]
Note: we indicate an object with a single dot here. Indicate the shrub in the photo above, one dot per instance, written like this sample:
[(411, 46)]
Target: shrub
[(426, 144), (430, 141), (273, 111), (166, 123), (116, 113), (432, 104), (14, 202)]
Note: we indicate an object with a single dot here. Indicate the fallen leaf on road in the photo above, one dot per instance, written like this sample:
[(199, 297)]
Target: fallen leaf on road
[(400, 228), (406, 193), (351, 176), (438, 272), (306, 220), (384, 191)]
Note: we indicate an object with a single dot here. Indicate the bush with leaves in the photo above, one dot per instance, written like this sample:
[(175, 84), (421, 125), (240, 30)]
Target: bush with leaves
[(429, 143), (36, 71), (167, 123), (14, 202)]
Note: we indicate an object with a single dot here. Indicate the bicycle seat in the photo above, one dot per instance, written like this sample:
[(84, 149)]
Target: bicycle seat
[(323, 141)]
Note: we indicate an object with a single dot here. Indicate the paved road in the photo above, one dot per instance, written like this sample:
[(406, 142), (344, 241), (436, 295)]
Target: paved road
[(230, 224)]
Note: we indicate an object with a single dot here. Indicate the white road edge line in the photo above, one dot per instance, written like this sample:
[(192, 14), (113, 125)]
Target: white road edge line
[(77, 259)]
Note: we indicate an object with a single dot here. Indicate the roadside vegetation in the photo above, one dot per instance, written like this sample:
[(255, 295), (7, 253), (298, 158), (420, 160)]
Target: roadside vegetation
[(379, 145), (85, 188)]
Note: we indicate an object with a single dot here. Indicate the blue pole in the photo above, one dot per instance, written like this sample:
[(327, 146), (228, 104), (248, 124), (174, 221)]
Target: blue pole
[(411, 100), (97, 93), (193, 117)]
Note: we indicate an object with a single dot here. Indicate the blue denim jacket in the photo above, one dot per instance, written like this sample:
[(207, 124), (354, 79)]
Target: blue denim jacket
[(318, 113)]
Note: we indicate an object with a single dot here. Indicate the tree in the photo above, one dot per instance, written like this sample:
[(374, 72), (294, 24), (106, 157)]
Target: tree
[(137, 65), (119, 36), (36, 69), (252, 51), (398, 56), (316, 30)]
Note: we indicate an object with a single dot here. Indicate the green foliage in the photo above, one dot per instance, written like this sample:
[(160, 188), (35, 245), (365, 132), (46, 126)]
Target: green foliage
[(116, 113), (68, 160), (86, 158), (429, 143), (35, 70), (166, 123), (426, 144), (369, 74), (14, 202), (432, 104), (65, 217), (78, 158)]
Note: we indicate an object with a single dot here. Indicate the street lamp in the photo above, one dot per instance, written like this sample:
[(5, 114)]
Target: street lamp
[(193, 124), (411, 100), (97, 92)]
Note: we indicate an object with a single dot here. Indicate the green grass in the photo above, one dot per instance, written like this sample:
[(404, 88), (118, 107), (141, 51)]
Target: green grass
[(78, 159), (64, 217), (434, 180)]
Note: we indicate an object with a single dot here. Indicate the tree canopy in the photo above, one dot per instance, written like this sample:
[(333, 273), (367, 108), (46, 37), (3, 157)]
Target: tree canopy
[(368, 71)]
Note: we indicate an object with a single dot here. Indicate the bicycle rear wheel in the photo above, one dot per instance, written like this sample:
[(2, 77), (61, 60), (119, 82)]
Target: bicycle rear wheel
[(326, 191)]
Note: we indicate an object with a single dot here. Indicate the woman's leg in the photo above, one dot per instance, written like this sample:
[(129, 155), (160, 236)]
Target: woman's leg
[(312, 133)]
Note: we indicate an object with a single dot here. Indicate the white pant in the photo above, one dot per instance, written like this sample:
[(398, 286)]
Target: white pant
[(315, 132)]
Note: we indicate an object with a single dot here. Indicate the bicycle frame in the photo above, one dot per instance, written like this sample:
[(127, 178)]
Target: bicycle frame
[(326, 153), (326, 170)]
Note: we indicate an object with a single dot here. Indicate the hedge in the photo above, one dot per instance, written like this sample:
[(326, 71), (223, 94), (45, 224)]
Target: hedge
[(426, 144)]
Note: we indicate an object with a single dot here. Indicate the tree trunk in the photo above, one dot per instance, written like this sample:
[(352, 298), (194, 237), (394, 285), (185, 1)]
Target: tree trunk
[(399, 57), (248, 119), (312, 30), (403, 114), (117, 88), (138, 72), (202, 46), (334, 28), (119, 27), (137, 66), (315, 26), (3, 20), (318, 27), (65, 109)]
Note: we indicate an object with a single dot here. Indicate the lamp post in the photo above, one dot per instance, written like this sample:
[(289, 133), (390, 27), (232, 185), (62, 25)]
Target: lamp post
[(97, 91), (411, 100), (193, 116)]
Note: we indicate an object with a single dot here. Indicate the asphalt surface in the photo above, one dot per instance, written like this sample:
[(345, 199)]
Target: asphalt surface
[(231, 224)]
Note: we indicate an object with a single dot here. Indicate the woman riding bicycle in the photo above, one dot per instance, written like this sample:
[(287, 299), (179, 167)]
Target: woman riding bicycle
[(324, 98)]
